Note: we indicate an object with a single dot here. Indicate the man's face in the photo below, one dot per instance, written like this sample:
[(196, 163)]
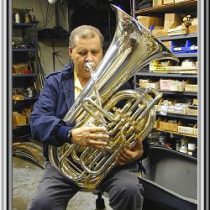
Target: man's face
[(86, 50)]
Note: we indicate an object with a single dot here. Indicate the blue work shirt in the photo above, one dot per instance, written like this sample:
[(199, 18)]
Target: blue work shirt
[(56, 98)]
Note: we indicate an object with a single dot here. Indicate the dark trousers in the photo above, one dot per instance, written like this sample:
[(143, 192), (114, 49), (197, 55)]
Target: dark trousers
[(54, 191)]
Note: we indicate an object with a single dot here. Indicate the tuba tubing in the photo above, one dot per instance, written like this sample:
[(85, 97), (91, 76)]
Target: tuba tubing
[(132, 47)]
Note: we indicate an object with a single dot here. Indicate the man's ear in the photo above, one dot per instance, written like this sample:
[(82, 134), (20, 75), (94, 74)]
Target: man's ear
[(70, 51)]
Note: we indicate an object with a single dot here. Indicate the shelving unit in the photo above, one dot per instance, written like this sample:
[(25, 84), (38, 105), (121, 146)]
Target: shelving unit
[(181, 7), (24, 77), (189, 7)]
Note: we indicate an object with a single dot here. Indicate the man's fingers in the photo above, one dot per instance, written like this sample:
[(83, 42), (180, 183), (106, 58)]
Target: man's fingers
[(125, 153), (99, 136), (91, 142), (121, 160), (95, 129)]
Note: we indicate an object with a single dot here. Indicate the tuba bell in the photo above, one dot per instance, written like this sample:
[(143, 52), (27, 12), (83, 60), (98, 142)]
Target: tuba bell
[(132, 47)]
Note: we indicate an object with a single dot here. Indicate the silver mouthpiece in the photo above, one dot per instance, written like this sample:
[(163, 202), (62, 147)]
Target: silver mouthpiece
[(89, 66)]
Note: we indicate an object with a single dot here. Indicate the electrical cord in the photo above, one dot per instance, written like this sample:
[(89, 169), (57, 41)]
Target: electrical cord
[(57, 56)]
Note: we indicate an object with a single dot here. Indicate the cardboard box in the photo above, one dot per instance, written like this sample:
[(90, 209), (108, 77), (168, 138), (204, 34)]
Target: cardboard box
[(194, 27), (18, 119), (159, 32), (149, 21), (186, 128), (177, 85), (165, 84), (195, 130), (172, 20), (148, 84), (20, 68), (177, 1), (195, 101), (167, 125), (168, 1), (189, 87), (157, 2), (192, 110), (171, 85)]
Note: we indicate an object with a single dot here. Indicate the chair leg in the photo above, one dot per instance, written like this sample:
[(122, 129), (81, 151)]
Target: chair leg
[(100, 204)]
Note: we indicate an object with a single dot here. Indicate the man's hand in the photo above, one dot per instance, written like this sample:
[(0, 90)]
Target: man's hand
[(94, 136), (129, 155)]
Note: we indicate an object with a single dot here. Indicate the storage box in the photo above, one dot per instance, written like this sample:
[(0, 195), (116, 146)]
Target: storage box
[(163, 124), (178, 30), (172, 20), (149, 21), (177, 1), (18, 119), (159, 32), (195, 130), (191, 46), (179, 107), (157, 2), (20, 68), (178, 46), (195, 101), (182, 46), (186, 128), (164, 105), (173, 106), (171, 85), (177, 85), (194, 27), (165, 84), (148, 84), (189, 87), (192, 110), (168, 1)]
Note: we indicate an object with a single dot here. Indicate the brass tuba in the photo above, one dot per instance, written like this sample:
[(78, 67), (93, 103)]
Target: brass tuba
[(132, 48)]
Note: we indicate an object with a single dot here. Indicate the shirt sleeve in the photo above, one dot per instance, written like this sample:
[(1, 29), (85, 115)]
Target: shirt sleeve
[(45, 126)]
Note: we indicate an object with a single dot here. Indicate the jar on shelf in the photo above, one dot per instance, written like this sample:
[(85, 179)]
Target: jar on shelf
[(183, 147), (17, 17), (191, 148)]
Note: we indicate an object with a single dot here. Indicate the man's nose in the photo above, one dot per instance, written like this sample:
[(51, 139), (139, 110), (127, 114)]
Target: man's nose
[(89, 56)]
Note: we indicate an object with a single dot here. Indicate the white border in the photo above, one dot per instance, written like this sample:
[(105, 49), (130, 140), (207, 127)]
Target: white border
[(4, 108), (3, 101), (203, 108)]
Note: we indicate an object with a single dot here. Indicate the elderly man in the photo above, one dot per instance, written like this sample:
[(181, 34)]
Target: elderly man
[(58, 95)]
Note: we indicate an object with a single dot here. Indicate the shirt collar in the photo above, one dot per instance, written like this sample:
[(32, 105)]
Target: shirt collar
[(77, 83)]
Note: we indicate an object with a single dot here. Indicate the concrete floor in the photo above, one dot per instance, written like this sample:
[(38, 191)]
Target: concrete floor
[(26, 176)]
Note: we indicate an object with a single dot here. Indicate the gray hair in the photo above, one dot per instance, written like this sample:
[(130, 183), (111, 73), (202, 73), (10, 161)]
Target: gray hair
[(84, 31)]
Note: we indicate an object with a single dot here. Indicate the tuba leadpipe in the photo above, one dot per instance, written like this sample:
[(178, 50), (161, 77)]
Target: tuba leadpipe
[(132, 47)]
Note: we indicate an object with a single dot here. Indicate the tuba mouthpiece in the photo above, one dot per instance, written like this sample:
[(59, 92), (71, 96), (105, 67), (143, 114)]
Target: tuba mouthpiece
[(89, 66)]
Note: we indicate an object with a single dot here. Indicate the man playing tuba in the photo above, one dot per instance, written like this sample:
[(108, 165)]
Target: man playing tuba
[(57, 96)]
